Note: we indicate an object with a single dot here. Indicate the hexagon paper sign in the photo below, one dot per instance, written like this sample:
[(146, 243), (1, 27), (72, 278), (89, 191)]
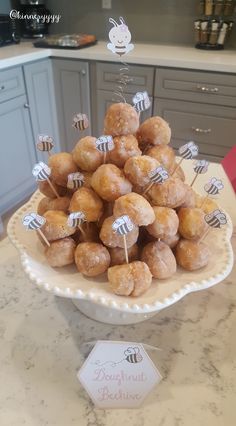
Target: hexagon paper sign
[(118, 374)]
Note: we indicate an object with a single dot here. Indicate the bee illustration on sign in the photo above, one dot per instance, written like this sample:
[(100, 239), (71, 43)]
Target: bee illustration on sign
[(214, 186), (120, 38), (141, 101), (80, 121), (132, 355), (123, 225), (45, 143), (105, 143), (33, 221), (75, 180), (189, 150), (215, 219)]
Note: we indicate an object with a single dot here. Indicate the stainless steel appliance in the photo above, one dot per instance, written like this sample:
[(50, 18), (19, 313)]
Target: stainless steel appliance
[(8, 31), (33, 27)]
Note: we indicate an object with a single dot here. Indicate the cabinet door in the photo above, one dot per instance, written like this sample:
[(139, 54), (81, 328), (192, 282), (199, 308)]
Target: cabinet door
[(103, 100), (41, 96), (17, 153), (71, 79)]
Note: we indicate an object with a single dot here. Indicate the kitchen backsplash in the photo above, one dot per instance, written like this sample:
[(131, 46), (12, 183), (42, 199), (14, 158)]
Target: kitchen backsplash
[(151, 21)]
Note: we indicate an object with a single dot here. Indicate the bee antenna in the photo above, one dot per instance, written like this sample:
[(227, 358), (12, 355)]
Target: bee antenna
[(112, 21), (122, 20)]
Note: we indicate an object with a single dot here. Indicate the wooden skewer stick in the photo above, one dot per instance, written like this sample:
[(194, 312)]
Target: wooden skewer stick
[(148, 188), (53, 188), (194, 179), (177, 166), (82, 231), (43, 237), (204, 235), (104, 157), (126, 250)]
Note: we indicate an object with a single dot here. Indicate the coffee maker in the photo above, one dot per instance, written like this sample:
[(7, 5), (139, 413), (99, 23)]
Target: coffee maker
[(31, 27)]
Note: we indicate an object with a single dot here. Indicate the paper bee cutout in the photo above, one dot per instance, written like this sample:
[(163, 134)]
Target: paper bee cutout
[(200, 166), (41, 171), (75, 180), (33, 221), (214, 186), (45, 143), (141, 101), (120, 38), (75, 219), (105, 143), (215, 219), (123, 225), (80, 121), (189, 150), (133, 355), (158, 175)]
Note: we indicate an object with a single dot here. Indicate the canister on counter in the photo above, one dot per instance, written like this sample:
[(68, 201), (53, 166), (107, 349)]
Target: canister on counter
[(229, 7), (213, 37), (219, 7), (197, 31), (222, 34), (209, 7), (204, 32), (201, 7)]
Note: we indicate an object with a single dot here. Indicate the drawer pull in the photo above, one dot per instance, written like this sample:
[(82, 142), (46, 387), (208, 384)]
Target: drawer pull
[(207, 89), (26, 106), (199, 130), (2, 87)]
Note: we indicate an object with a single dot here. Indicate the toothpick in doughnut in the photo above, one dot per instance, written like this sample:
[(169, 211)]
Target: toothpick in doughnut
[(122, 226), (187, 152), (33, 221), (75, 180), (200, 167), (141, 101), (80, 121), (105, 144), (213, 187), (42, 172), (158, 175), (45, 143), (75, 220), (214, 220)]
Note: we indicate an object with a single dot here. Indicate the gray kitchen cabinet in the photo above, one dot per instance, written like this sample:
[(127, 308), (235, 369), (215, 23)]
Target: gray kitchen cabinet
[(199, 106), (106, 78), (42, 105), (72, 94), (17, 153)]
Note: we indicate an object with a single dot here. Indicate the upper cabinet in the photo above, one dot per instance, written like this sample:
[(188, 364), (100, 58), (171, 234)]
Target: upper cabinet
[(72, 94), (41, 102)]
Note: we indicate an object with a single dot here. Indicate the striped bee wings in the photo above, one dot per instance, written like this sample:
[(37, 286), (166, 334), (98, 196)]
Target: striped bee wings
[(216, 218), (41, 171), (123, 225), (189, 150), (33, 221), (45, 143), (105, 143), (141, 101)]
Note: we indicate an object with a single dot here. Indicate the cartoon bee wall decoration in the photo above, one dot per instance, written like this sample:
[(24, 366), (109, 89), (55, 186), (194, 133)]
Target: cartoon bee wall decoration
[(120, 38)]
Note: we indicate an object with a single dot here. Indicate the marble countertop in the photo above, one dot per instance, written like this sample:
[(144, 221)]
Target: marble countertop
[(42, 337), (145, 54)]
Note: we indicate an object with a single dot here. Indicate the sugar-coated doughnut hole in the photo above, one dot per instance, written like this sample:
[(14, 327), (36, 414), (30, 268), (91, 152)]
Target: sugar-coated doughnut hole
[(46, 189), (131, 279), (164, 154), (61, 164), (171, 193), (165, 224), (160, 259), (110, 183), (56, 226), (110, 238), (46, 204), (121, 119), (92, 259), (192, 224), (137, 169), (118, 254), (136, 207), (61, 252), (88, 202), (125, 147), (192, 255), (86, 155), (154, 131)]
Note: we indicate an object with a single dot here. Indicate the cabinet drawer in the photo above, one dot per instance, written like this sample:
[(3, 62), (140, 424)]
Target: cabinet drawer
[(196, 86), (140, 78), (11, 84), (212, 128)]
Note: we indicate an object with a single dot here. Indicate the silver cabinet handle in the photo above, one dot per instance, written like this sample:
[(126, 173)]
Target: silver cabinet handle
[(2, 87), (207, 89), (26, 106), (199, 130), (83, 72)]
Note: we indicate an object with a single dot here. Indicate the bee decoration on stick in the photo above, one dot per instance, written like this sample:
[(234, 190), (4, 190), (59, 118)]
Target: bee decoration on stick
[(213, 187), (33, 221), (158, 175), (215, 219), (122, 226), (45, 143), (75, 180), (105, 144), (75, 220), (120, 38), (141, 101), (80, 122), (199, 167), (42, 172), (187, 152)]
